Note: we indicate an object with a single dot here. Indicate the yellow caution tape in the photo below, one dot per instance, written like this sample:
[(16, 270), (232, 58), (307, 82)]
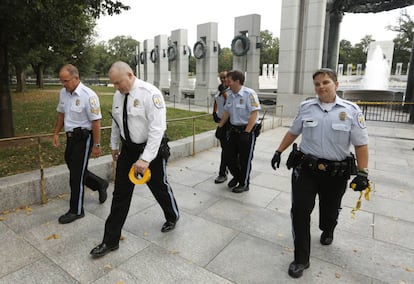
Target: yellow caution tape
[(132, 177), (359, 201)]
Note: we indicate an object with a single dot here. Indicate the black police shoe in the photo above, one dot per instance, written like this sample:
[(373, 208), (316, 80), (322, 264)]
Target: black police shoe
[(220, 179), (70, 217), (102, 192), (168, 226), (103, 249), (326, 238), (232, 183), (241, 188), (296, 269)]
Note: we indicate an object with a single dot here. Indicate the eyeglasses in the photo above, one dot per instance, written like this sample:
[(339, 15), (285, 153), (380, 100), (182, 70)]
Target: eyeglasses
[(66, 81)]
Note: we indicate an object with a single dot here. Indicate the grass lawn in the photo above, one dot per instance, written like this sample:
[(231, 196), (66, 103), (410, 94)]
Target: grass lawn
[(34, 112)]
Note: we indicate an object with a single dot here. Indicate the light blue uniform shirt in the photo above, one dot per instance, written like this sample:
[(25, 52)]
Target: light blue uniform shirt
[(241, 105), (329, 134), (220, 101), (80, 108)]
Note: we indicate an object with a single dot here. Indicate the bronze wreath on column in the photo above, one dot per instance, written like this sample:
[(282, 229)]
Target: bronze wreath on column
[(240, 45), (172, 52), (154, 55), (199, 49)]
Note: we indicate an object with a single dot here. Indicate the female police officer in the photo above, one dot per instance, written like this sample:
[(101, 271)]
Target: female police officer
[(329, 125)]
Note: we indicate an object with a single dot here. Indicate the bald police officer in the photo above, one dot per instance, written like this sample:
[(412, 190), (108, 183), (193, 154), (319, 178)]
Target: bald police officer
[(139, 119), (241, 108), (322, 166), (79, 113)]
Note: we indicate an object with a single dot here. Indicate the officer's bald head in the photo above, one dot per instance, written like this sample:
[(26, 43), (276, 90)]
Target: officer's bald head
[(120, 67)]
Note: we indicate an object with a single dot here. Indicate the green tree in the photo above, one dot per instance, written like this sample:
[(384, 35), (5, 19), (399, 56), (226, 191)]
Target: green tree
[(345, 52), (270, 48), (404, 41), (34, 26), (101, 58), (225, 61), (123, 48)]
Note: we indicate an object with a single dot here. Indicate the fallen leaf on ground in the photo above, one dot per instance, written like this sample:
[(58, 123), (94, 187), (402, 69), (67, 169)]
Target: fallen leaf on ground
[(54, 236)]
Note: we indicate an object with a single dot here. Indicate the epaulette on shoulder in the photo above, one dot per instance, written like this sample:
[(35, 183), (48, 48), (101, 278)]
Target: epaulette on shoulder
[(352, 104), (307, 103)]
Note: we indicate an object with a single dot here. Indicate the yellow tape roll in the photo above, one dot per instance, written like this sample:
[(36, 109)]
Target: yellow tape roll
[(135, 180)]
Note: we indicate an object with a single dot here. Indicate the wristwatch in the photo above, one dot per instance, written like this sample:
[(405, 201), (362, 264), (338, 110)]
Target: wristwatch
[(97, 145)]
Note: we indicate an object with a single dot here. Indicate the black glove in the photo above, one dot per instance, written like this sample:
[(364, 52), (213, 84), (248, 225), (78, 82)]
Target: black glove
[(360, 182), (244, 137), (276, 160), (220, 132), (295, 157), (215, 117)]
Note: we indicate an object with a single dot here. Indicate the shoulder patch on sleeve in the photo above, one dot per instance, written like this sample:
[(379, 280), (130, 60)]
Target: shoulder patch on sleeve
[(158, 101), (361, 120), (254, 101)]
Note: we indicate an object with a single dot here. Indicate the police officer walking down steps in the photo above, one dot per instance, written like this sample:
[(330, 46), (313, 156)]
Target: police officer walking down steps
[(139, 120), (80, 114), (323, 163), (242, 108)]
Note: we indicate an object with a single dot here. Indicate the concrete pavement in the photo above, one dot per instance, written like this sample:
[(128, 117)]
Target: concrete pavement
[(223, 237)]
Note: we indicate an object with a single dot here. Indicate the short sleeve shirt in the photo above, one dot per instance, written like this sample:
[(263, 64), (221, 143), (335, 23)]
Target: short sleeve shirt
[(146, 112), (80, 108), (220, 101), (241, 105), (329, 134)]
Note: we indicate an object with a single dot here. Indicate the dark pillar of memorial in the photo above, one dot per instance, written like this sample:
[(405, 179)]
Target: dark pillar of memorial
[(409, 91)]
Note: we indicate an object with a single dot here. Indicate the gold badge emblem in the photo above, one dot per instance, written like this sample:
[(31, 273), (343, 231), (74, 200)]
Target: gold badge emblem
[(361, 120), (241, 101), (93, 102), (136, 102), (95, 110), (77, 102), (342, 115), (158, 101), (322, 167)]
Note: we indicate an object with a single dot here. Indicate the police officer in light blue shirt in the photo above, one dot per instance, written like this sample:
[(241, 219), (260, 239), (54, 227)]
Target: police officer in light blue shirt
[(79, 113), (323, 165), (241, 109)]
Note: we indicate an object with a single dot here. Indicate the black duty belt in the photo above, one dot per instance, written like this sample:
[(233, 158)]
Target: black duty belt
[(332, 168), (237, 128), (78, 132), (138, 147)]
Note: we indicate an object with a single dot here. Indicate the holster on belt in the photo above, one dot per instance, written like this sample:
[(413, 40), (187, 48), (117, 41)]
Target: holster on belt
[(295, 157), (164, 150), (79, 133)]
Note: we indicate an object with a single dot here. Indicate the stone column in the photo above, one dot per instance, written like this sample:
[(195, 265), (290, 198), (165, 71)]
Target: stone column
[(159, 55), (178, 63), (249, 26), (148, 65), (206, 54), (300, 52)]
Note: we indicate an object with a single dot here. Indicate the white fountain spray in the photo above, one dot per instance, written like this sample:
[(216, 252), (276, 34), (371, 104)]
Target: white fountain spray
[(376, 72)]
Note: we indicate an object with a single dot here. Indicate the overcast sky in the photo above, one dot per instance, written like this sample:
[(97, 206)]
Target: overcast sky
[(147, 19)]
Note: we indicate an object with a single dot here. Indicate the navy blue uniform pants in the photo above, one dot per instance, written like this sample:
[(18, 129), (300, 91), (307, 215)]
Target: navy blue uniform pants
[(124, 190), (239, 154), (78, 149), (306, 184)]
